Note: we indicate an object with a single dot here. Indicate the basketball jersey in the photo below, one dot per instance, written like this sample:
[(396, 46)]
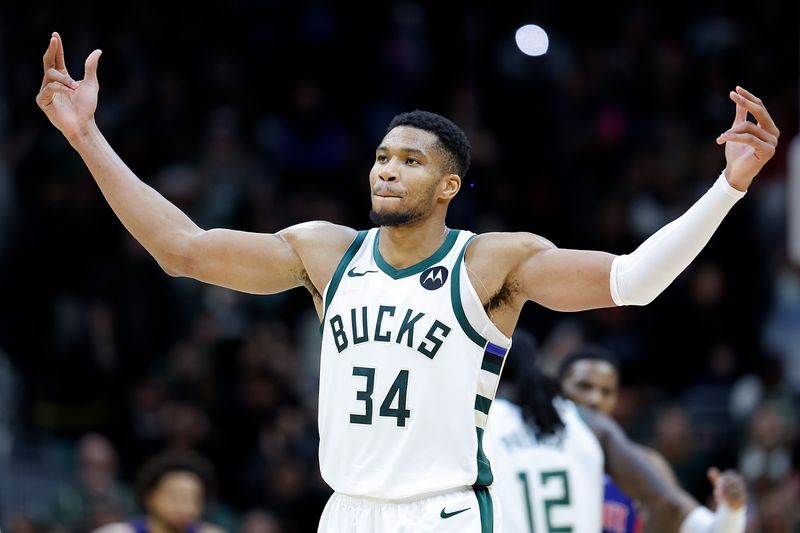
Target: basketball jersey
[(619, 512), (409, 367), (139, 525), (550, 484)]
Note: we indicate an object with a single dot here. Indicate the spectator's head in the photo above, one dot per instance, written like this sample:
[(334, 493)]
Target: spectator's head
[(97, 463), (174, 488), (590, 377)]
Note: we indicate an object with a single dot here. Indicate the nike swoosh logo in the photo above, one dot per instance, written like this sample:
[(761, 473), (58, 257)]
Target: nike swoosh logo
[(445, 514), (353, 274)]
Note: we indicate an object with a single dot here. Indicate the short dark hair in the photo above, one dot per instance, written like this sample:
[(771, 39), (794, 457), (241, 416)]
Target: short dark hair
[(452, 140), (168, 462), (590, 352)]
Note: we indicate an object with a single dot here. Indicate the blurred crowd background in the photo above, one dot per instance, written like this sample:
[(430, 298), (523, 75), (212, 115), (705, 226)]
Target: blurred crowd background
[(259, 114)]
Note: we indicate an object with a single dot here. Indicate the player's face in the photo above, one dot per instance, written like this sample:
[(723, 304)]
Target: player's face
[(593, 384), (407, 176), (177, 500)]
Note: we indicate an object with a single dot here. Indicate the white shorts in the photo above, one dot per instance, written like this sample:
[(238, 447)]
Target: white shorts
[(468, 510)]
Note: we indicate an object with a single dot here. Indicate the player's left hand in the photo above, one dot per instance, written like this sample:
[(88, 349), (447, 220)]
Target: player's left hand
[(748, 146), (729, 488)]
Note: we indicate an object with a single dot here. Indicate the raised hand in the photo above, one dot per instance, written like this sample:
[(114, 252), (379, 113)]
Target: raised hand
[(729, 488), (69, 104), (748, 146)]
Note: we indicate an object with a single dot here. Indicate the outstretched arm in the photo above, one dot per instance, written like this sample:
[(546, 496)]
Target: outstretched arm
[(571, 280), (635, 475), (249, 262), (671, 508)]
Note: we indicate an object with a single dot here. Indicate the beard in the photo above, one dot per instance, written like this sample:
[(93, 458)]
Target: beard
[(393, 219), (412, 214)]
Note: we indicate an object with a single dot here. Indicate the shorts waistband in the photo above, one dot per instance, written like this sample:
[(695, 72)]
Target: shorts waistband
[(369, 501)]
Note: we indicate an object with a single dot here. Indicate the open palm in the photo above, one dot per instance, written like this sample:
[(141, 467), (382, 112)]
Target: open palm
[(69, 104)]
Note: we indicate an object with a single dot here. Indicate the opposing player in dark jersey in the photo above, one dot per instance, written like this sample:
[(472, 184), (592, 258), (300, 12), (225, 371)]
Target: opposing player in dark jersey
[(590, 377)]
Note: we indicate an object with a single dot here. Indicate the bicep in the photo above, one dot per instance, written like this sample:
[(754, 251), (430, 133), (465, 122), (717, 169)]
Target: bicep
[(567, 280), (256, 263)]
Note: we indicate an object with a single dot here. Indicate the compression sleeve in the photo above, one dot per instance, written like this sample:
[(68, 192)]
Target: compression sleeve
[(637, 278)]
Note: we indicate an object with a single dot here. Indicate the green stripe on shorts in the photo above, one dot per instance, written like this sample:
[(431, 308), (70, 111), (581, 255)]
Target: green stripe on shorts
[(485, 508)]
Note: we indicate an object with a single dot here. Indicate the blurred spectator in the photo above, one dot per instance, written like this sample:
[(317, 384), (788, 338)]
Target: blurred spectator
[(775, 478), (259, 522), (673, 437), (274, 122), (174, 489), (766, 459), (98, 498)]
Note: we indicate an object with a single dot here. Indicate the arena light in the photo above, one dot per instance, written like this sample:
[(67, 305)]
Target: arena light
[(532, 40)]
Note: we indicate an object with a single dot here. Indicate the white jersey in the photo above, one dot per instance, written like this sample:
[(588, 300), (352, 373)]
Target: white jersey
[(410, 366), (553, 484)]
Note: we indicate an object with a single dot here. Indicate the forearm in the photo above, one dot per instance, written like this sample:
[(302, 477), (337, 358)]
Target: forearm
[(162, 228), (637, 278)]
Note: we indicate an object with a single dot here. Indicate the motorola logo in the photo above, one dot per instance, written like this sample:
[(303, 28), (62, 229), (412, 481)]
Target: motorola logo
[(433, 278)]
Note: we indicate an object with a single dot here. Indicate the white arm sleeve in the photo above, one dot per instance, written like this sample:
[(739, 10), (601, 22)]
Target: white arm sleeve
[(637, 278), (725, 520)]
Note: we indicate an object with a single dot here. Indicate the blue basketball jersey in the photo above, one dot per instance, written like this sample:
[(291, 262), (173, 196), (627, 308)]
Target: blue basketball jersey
[(619, 512)]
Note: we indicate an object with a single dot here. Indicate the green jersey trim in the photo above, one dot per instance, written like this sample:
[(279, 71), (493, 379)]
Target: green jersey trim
[(485, 508), (485, 476), (455, 298), (400, 273), (339, 272)]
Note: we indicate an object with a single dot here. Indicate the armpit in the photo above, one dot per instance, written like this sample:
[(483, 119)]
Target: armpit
[(505, 296), (305, 280)]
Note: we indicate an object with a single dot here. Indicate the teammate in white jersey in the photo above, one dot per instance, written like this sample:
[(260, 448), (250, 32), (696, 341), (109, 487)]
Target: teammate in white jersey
[(548, 460), (410, 356)]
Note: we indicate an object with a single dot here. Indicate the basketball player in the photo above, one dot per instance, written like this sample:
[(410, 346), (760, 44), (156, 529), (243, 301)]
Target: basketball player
[(410, 356), (590, 378), (548, 459)]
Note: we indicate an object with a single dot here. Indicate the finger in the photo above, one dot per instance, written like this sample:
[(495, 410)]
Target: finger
[(762, 149), (749, 127), (49, 91), (741, 114), (60, 65), (756, 107), (49, 59), (90, 68), (713, 475), (54, 75)]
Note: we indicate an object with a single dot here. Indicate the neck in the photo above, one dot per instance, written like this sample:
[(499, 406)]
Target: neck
[(407, 245)]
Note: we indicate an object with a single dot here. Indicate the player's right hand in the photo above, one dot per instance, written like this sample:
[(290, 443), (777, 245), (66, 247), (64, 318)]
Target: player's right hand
[(729, 488), (69, 104)]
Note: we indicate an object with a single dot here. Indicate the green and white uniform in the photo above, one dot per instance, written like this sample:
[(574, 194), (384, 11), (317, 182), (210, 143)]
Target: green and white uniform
[(410, 365), (550, 485)]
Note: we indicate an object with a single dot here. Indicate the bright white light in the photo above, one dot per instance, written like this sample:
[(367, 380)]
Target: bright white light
[(532, 40)]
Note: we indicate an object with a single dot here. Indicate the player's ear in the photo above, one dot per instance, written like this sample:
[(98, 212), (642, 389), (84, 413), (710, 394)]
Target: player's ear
[(451, 184)]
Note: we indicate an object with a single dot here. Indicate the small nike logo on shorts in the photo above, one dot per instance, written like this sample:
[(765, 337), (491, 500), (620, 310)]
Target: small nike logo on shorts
[(353, 274), (445, 514)]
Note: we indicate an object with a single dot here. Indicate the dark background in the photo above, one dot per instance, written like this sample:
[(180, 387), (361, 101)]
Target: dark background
[(258, 115)]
